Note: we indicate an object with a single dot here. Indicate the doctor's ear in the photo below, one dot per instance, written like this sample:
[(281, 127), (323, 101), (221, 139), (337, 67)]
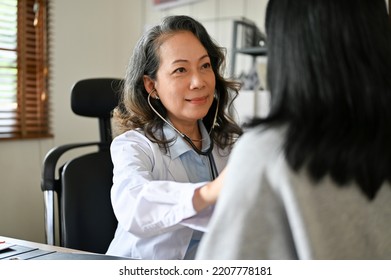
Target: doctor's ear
[(149, 84)]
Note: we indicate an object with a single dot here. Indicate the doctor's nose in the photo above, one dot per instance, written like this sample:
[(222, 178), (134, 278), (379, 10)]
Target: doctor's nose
[(197, 81)]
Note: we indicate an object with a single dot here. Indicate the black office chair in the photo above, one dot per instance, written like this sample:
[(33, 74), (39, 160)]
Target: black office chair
[(82, 185)]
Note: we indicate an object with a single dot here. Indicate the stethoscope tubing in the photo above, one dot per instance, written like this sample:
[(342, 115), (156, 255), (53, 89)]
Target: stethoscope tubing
[(208, 152), (212, 164)]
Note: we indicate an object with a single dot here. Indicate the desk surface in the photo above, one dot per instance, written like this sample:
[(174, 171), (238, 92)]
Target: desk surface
[(40, 246), (27, 250)]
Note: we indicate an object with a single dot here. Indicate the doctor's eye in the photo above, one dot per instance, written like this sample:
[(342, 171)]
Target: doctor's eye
[(180, 70), (206, 65)]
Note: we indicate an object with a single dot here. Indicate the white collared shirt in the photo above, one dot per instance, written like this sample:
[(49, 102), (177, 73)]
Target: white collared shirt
[(152, 194)]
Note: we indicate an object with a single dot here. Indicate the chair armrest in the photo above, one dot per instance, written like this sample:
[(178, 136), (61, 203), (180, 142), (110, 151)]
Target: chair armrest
[(48, 181)]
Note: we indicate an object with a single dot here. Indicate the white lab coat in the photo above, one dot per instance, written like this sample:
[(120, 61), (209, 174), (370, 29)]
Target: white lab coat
[(152, 199)]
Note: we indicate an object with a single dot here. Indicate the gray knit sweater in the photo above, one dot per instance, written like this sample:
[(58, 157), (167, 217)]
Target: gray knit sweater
[(266, 211)]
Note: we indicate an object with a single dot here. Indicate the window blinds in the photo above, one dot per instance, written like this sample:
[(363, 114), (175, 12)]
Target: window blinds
[(24, 110)]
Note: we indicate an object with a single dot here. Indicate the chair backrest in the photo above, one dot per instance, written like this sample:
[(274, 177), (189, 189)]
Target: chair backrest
[(87, 218), (97, 98), (84, 214)]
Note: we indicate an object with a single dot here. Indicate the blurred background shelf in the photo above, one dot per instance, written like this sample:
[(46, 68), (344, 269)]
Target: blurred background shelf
[(247, 39)]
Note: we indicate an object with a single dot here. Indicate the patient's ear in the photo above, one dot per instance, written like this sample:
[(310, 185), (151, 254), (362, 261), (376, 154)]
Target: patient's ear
[(149, 84)]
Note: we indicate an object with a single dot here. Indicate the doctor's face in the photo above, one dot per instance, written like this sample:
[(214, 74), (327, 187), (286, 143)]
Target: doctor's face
[(185, 80)]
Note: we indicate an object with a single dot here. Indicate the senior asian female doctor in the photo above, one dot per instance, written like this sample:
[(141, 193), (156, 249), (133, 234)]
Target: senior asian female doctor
[(174, 138)]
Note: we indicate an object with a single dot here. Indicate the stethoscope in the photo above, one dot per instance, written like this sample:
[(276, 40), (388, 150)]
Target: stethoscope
[(212, 165)]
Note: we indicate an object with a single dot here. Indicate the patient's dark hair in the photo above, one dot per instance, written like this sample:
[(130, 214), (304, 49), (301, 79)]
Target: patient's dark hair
[(329, 67)]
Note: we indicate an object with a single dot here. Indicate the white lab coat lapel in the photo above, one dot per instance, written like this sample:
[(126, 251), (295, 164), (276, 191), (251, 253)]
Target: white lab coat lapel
[(177, 170), (172, 158)]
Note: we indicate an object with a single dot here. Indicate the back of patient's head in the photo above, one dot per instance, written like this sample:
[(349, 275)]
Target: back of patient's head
[(329, 65)]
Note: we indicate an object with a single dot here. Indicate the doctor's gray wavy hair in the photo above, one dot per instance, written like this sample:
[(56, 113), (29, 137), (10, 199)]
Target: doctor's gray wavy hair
[(133, 110)]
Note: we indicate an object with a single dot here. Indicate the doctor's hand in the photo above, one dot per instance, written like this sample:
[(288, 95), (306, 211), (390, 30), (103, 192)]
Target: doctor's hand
[(207, 195)]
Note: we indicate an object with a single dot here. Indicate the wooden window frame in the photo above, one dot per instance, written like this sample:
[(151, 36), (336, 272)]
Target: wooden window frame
[(30, 115)]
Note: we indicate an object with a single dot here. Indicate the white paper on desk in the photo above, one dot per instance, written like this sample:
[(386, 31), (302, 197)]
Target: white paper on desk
[(5, 245), (200, 221)]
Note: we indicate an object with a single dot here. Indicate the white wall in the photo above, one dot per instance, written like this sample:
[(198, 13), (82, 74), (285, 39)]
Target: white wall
[(91, 38)]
